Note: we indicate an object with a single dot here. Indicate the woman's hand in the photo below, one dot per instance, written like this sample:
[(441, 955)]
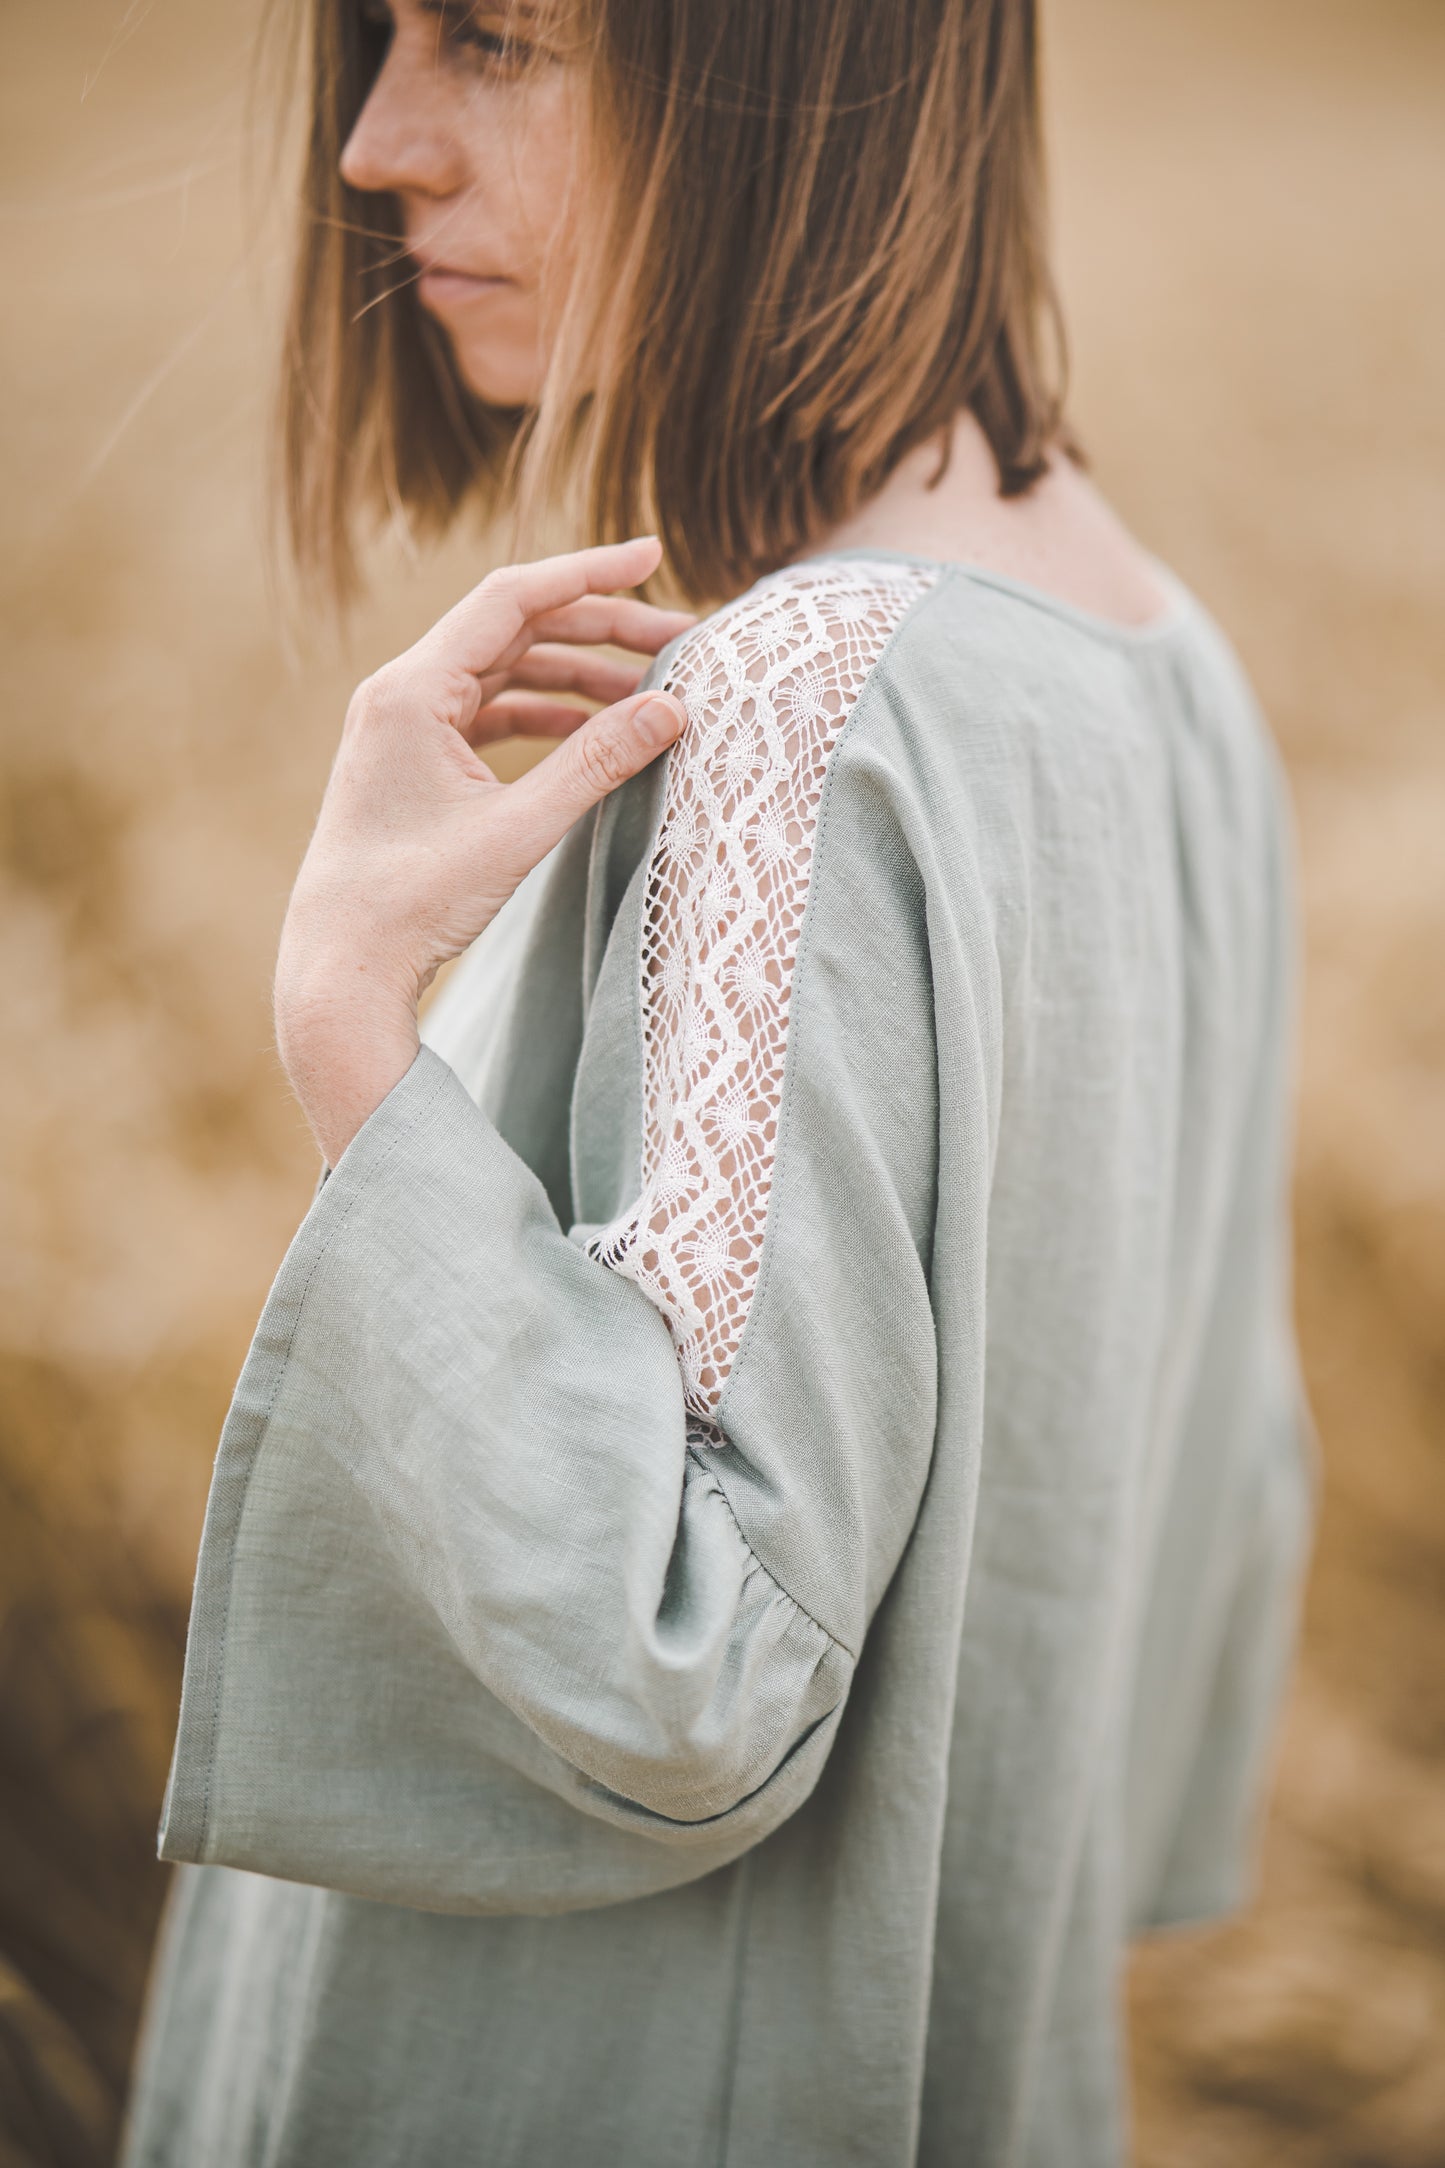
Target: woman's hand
[(418, 845)]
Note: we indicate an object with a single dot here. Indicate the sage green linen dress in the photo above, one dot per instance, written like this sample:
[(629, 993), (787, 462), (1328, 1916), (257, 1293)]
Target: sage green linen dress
[(759, 1536)]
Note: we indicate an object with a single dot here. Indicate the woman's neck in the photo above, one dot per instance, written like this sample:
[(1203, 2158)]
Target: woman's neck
[(1060, 536)]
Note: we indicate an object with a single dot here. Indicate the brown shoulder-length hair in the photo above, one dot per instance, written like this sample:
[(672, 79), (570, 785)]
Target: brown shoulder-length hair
[(818, 232)]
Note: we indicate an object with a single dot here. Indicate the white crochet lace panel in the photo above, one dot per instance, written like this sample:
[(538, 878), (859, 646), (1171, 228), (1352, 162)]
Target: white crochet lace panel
[(768, 684)]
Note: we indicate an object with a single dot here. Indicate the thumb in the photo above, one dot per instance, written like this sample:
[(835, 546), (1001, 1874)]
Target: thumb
[(591, 762)]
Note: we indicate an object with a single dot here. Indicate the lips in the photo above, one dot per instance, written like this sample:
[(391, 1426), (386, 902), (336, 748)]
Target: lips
[(461, 274), (443, 287)]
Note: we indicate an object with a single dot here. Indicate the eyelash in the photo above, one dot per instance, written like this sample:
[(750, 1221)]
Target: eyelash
[(501, 54)]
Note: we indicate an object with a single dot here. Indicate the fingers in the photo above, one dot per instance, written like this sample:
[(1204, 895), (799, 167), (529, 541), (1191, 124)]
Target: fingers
[(574, 670), (548, 670), (548, 583), (591, 762), (523, 715), (478, 630), (620, 620), (473, 650)]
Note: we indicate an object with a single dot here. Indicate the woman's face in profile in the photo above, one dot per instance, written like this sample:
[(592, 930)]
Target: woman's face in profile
[(474, 134)]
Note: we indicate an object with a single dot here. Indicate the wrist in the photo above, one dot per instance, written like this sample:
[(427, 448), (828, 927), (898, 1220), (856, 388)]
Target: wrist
[(346, 1032), (315, 985), (331, 944)]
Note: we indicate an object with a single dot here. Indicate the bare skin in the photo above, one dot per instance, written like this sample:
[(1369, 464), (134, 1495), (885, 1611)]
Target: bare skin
[(478, 150), (417, 844), (1062, 536)]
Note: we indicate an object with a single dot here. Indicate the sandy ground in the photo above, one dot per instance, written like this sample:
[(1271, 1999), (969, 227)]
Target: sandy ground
[(1251, 204)]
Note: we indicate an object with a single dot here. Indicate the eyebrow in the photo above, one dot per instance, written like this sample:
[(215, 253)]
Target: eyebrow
[(526, 13)]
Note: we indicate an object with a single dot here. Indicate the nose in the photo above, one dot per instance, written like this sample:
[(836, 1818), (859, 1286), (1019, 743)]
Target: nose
[(406, 135)]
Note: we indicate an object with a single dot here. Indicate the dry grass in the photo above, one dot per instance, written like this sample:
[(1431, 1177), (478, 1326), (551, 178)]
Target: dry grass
[(1251, 205)]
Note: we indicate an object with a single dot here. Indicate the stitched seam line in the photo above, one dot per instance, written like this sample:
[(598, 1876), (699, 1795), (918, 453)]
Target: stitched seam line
[(732, 2056), (639, 998), (718, 1348), (787, 1092)]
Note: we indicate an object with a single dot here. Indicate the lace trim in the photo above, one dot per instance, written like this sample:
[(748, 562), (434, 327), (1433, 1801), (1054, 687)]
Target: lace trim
[(768, 685)]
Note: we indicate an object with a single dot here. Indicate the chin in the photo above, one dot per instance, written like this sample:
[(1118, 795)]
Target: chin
[(498, 378)]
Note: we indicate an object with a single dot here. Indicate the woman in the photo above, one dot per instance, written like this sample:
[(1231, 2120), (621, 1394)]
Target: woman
[(758, 1537)]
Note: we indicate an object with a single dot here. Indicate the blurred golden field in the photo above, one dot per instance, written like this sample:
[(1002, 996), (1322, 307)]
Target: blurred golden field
[(1251, 209)]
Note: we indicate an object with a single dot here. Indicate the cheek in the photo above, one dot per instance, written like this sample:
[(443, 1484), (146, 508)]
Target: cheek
[(520, 220), (544, 180)]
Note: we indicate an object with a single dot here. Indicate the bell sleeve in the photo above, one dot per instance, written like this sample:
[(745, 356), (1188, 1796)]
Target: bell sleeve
[(540, 1552)]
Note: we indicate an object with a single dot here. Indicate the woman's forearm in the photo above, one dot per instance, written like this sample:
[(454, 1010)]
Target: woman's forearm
[(346, 1035)]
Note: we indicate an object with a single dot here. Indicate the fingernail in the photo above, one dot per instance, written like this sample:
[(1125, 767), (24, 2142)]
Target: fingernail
[(659, 721)]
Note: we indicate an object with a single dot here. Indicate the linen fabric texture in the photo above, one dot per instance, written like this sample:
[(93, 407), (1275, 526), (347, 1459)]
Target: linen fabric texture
[(590, 1751)]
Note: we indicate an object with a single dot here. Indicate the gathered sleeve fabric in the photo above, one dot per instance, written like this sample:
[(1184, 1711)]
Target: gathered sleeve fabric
[(541, 1548)]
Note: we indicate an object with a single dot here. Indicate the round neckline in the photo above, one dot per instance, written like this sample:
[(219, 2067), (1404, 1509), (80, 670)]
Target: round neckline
[(1169, 621)]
